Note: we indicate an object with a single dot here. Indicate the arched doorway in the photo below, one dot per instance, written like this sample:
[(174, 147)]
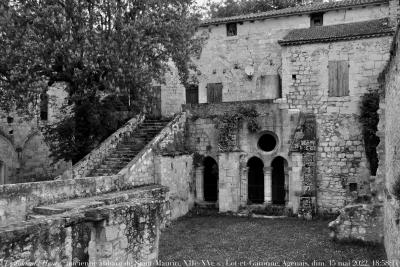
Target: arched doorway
[(278, 181), (210, 179), (255, 180)]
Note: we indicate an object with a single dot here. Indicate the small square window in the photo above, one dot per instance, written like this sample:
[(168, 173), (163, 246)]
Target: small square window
[(317, 19), (231, 29)]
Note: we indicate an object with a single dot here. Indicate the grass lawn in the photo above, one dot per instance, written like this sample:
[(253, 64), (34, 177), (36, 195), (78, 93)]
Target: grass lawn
[(236, 241)]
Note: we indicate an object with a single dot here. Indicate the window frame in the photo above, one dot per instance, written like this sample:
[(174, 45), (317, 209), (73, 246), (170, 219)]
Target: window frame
[(234, 29)]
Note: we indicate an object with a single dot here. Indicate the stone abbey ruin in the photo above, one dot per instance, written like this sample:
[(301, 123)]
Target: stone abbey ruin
[(273, 121)]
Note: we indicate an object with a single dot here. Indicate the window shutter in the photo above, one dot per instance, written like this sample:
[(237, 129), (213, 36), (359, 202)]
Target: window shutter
[(333, 82), (338, 78), (343, 78), (214, 92)]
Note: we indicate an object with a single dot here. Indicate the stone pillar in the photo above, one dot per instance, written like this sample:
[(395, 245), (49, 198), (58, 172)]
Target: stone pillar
[(268, 185), (244, 185), (199, 172)]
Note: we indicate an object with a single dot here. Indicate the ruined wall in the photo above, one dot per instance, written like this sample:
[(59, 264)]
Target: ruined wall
[(341, 156), (359, 222), (176, 172), (125, 232), (18, 200), (389, 161), (23, 151), (173, 93)]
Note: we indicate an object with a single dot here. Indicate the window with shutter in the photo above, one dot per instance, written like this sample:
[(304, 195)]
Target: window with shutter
[(338, 78), (214, 92)]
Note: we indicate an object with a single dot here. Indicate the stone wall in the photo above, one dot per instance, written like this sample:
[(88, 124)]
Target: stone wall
[(23, 151), (388, 151), (173, 93), (340, 155), (142, 169), (122, 232), (273, 118), (18, 200), (359, 222), (176, 172), (224, 58), (96, 156)]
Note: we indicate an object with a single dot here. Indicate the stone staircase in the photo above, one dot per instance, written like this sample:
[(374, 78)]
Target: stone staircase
[(129, 147)]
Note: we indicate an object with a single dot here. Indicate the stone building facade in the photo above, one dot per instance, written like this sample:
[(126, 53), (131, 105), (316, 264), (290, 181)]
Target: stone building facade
[(300, 68)]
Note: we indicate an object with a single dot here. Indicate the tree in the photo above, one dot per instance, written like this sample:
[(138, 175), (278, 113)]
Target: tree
[(95, 47), (228, 8)]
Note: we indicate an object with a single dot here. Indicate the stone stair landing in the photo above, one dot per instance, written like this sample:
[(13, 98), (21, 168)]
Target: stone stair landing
[(129, 148)]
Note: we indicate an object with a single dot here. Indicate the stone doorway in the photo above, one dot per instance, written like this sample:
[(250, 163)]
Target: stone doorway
[(255, 180), (279, 167), (210, 180)]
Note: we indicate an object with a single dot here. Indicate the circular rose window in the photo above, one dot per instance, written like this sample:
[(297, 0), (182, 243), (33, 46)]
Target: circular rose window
[(267, 142)]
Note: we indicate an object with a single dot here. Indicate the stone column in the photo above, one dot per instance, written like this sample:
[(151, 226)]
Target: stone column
[(243, 185), (199, 172), (268, 185)]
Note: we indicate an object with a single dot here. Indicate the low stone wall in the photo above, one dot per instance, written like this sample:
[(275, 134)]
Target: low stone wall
[(176, 172), (97, 155), (18, 200), (359, 222), (122, 233)]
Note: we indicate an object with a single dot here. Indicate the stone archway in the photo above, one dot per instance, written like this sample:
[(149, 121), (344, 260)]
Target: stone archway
[(210, 180), (255, 185), (278, 185)]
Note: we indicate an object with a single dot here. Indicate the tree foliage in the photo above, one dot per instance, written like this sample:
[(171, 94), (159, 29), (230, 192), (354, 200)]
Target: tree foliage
[(228, 8), (95, 47)]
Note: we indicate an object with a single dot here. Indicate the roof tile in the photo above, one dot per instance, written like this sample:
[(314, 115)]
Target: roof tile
[(357, 30), (317, 7)]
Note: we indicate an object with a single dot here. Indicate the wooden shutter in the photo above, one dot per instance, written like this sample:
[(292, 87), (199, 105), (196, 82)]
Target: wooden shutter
[(192, 94), (343, 78), (338, 78), (333, 88), (214, 93)]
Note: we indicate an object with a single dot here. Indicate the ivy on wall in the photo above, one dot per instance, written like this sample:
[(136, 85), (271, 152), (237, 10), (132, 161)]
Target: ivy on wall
[(230, 123), (369, 119)]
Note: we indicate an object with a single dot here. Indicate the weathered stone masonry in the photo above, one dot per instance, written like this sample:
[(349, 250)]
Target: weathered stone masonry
[(389, 161), (341, 156)]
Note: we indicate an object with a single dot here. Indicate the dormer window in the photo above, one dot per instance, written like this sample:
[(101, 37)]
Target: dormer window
[(231, 29), (317, 19)]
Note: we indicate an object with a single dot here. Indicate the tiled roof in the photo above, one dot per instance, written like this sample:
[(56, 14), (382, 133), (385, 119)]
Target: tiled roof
[(318, 7), (357, 30)]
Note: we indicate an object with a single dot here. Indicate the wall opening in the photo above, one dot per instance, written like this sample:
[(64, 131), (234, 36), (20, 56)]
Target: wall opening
[(210, 179), (279, 173), (267, 142), (255, 183)]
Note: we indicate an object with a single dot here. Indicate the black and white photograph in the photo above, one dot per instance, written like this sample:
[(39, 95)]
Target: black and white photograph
[(199, 133)]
